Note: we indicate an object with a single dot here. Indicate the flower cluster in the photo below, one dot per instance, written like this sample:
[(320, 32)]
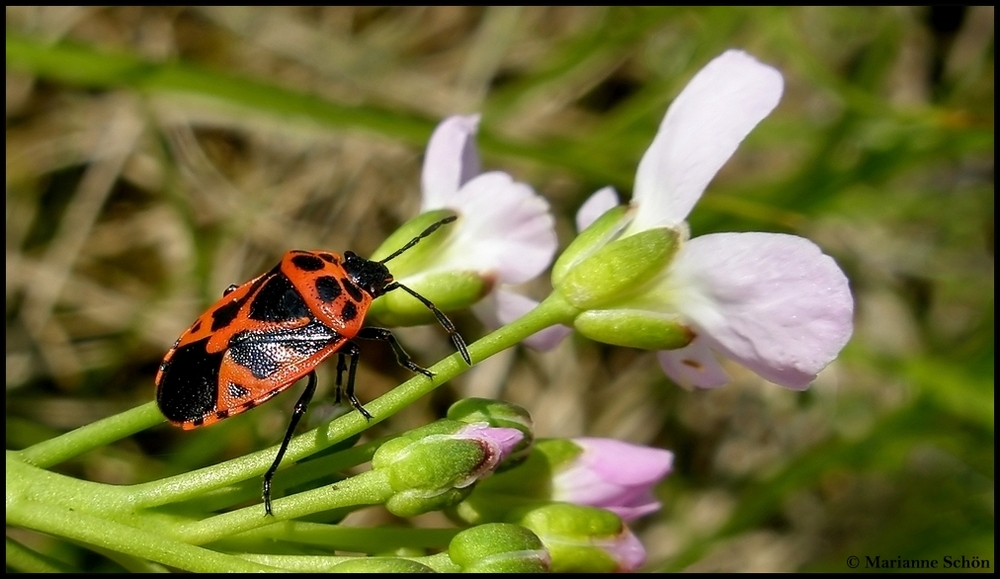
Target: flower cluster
[(632, 277), (772, 302)]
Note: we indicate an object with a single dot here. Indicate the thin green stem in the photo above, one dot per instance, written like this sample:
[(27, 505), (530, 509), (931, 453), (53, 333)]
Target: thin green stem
[(25, 560), (354, 539), (318, 563), (86, 528), (367, 488), (94, 435)]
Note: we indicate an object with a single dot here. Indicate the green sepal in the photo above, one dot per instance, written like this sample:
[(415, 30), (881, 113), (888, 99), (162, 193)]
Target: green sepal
[(619, 270), (415, 258), (634, 329), (498, 548), (600, 233), (413, 502), (572, 535), (530, 483), (395, 449), (447, 290)]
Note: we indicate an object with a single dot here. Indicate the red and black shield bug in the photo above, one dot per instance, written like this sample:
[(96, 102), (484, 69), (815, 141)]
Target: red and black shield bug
[(263, 336)]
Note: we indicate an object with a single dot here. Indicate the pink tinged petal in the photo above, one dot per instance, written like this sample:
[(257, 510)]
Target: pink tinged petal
[(693, 365), (701, 130), (613, 475), (497, 444), (505, 230), (773, 302), (626, 550), (596, 205), (510, 306), (451, 161)]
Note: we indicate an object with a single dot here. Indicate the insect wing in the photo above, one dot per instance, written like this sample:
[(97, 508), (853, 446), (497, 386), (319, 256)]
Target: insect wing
[(251, 345), (261, 364)]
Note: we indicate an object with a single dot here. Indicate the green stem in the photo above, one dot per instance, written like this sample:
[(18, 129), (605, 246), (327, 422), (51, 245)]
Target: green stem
[(24, 560), (94, 435), (318, 563), (303, 472), (354, 539), (86, 528), (367, 488)]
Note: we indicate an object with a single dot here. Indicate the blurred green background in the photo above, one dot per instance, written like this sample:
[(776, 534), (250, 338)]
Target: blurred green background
[(157, 155)]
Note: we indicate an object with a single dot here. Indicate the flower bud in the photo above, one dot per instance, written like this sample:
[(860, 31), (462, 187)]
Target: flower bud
[(498, 548), (499, 414), (584, 539), (598, 472), (434, 467)]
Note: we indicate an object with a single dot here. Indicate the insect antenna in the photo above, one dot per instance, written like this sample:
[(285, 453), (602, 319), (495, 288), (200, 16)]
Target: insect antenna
[(415, 240)]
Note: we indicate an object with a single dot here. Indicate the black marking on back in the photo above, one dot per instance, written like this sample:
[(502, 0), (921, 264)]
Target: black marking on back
[(329, 258), (328, 288), (226, 313), (308, 262), (188, 390), (352, 290), (278, 301), (349, 312), (264, 353)]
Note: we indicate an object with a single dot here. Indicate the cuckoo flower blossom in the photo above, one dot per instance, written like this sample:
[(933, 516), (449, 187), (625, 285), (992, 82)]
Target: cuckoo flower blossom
[(773, 302), (505, 234)]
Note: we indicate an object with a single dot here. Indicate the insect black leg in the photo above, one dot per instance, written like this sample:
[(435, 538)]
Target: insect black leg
[(446, 323), (341, 368), (297, 413), (355, 353), (401, 356)]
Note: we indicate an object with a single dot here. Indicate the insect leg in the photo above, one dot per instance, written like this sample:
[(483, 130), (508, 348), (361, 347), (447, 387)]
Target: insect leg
[(297, 413), (401, 356), (355, 353), (445, 322), (341, 368)]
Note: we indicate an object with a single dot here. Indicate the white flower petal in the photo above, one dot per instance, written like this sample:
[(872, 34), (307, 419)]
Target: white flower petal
[(693, 365), (451, 160), (596, 205), (773, 302), (505, 230), (511, 306), (700, 131)]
